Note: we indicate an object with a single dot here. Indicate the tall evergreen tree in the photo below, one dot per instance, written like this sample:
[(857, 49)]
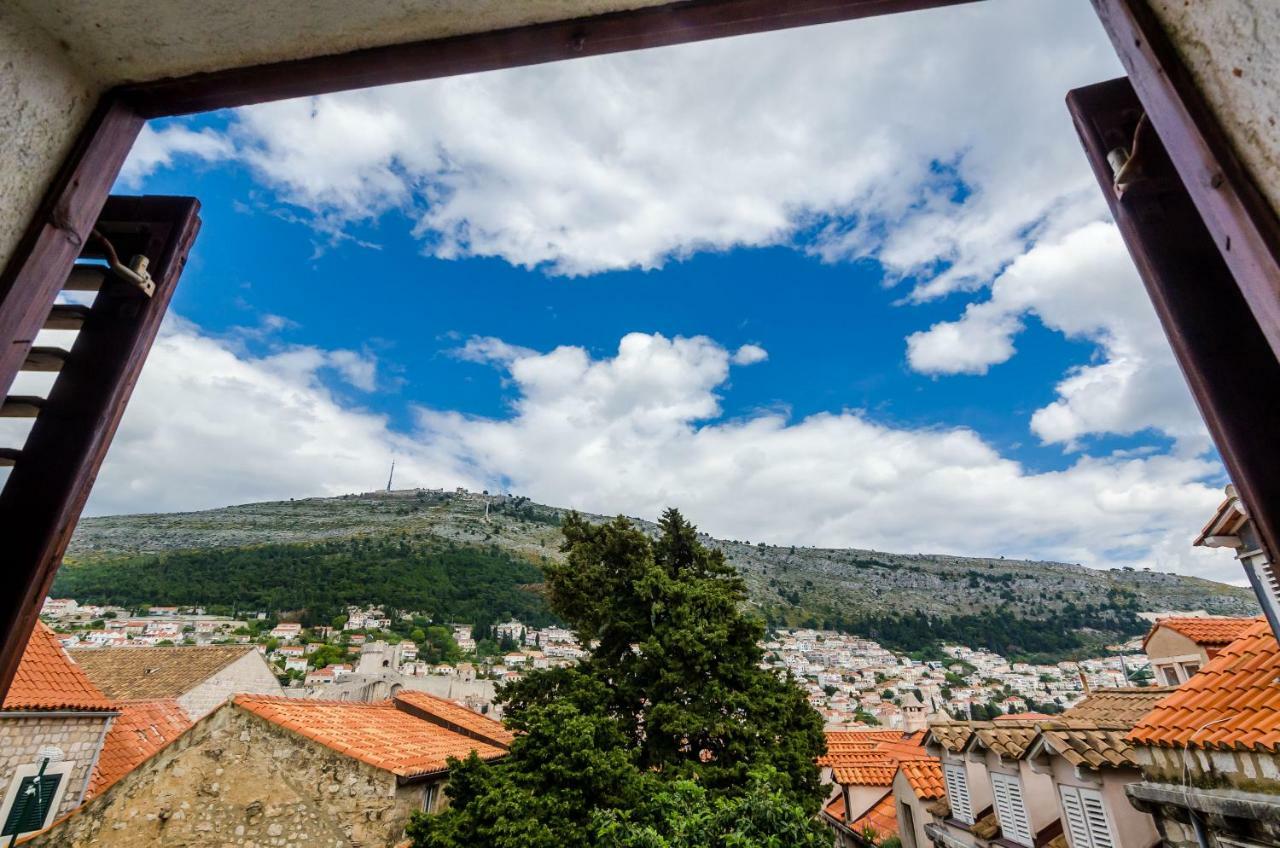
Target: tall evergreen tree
[(669, 733)]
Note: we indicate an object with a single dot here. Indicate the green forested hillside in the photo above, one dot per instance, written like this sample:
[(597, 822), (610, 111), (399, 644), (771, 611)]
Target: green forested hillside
[(468, 556), (444, 580)]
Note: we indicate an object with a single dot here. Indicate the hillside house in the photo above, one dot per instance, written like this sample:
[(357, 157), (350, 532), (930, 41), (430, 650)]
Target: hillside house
[(286, 631), (1210, 751), (200, 679), (270, 770), (1178, 647)]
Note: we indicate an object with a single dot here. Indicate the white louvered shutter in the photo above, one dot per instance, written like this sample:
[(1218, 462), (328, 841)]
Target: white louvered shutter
[(1010, 808), (958, 792), (1073, 820), (1095, 812)]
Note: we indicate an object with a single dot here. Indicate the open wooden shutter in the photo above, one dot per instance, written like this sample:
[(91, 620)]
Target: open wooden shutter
[(1085, 818), (957, 783), (1010, 809), (139, 248)]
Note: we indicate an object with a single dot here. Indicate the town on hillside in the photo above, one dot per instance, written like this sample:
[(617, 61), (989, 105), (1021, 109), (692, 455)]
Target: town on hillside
[(115, 709)]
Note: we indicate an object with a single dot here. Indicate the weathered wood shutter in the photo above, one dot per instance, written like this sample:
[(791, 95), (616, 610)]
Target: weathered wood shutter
[(51, 474)]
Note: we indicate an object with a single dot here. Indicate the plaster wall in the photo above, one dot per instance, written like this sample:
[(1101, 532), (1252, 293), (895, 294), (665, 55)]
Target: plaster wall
[(1232, 48), (44, 102), (136, 40), (905, 797), (249, 675), (1166, 643)]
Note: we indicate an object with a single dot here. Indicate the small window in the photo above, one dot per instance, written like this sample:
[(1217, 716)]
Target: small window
[(429, 799), (1011, 811), (1170, 674), (1085, 818), (1190, 669), (31, 800), (957, 783)]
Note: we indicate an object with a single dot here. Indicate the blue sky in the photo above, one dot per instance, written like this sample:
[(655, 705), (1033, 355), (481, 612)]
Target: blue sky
[(834, 331), (814, 287)]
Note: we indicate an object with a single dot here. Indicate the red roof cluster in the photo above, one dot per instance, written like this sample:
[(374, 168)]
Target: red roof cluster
[(379, 733), (869, 757), (1233, 703), (48, 679)]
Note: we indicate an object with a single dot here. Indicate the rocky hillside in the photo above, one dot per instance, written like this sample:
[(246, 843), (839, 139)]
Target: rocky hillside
[(791, 584)]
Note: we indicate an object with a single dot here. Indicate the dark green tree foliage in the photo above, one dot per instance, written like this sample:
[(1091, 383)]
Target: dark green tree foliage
[(445, 581), (668, 735)]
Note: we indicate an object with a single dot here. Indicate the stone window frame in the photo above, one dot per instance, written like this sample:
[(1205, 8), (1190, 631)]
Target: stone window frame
[(31, 770)]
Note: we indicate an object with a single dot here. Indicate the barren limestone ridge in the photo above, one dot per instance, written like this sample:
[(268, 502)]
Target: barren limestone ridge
[(858, 590)]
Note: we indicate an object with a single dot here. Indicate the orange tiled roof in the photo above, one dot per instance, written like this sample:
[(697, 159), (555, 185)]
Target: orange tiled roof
[(1231, 703), (835, 808), (882, 818), (868, 760), (375, 733), (925, 777), (1022, 717), (1212, 632), (48, 679), (1119, 707), (455, 717), (141, 729), (952, 735)]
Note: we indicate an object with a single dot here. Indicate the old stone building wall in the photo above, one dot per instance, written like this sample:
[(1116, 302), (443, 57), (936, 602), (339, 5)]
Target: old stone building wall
[(249, 675), (78, 736), (238, 780)]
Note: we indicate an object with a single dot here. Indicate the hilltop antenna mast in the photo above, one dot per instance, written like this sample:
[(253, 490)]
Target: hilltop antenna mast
[(392, 475)]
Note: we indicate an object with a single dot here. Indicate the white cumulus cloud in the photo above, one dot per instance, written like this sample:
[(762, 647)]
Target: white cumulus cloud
[(1082, 285)]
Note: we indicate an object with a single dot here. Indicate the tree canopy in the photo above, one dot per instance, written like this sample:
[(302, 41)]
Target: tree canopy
[(669, 734)]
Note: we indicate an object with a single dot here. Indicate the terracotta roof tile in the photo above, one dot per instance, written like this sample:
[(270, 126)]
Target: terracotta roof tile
[(455, 717), (1007, 738), (1088, 745), (835, 808), (141, 729), (870, 759), (151, 673), (377, 733), (1231, 703), (1121, 706), (1209, 632), (925, 777), (952, 735), (49, 679)]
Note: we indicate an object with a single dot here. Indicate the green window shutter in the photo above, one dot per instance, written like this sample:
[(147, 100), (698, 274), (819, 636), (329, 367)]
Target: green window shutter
[(31, 808)]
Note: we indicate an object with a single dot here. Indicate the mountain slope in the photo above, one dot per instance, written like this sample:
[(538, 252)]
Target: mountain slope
[(860, 590)]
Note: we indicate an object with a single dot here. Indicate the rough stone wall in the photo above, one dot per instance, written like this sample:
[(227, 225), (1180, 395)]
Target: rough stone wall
[(238, 780), (43, 103), (248, 675), (79, 737)]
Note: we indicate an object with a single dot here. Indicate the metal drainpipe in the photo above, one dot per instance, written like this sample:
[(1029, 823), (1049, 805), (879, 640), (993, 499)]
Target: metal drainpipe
[(1197, 824)]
